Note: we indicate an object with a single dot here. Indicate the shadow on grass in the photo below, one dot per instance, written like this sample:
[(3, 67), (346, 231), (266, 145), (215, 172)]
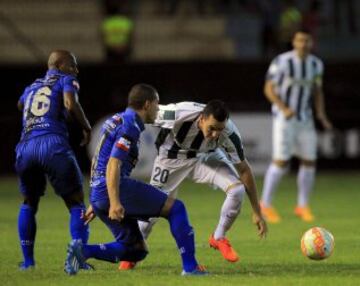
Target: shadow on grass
[(311, 269), (308, 269)]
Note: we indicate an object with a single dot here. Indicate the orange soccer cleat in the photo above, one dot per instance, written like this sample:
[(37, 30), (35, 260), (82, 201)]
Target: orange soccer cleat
[(127, 265), (224, 246), (270, 214), (304, 213)]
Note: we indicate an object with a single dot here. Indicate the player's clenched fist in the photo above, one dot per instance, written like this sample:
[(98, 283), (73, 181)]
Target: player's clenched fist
[(116, 212)]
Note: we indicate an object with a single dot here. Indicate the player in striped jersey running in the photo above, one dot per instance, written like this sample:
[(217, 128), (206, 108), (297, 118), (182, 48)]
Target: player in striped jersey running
[(200, 143), (293, 84)]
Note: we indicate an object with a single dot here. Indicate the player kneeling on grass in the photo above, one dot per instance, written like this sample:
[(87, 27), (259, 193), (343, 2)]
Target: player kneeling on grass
[(120, 201), (200, 142)]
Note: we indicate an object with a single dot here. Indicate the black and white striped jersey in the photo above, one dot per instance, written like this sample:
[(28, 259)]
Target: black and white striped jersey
[(181, 138), (295, 79)]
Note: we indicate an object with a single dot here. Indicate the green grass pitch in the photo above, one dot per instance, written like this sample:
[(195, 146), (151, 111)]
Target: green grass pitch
[(274, 261)]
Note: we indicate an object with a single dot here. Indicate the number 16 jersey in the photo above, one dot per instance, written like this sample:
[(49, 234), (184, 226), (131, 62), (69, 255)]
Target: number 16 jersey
[(44, 111)]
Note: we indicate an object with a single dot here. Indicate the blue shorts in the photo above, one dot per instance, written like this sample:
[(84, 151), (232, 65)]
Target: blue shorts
[(140, 201), (47, 156)]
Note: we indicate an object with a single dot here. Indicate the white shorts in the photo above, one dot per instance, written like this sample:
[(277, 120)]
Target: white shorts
[(211, 168), (293, 137)]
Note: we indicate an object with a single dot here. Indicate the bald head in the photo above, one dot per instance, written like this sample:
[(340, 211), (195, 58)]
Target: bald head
[(64, 61)]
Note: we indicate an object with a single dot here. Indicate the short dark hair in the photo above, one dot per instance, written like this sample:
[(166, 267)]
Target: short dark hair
[(217, 109), (303, 31), (140, 93)]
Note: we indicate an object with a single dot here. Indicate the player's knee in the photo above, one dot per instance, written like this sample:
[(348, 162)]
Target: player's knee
[(136, 252), (139, 255), (308, 163), (74, 199), (32, 202), (281, 163), (77, 207), (236, 192)]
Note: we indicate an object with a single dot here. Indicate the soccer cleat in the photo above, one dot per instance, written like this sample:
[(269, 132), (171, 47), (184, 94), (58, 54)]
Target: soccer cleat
[(127, 265), (224, 246), (198, 271), (270, 214), (87, 266), (74, 259), (304, 213), (25, 267)]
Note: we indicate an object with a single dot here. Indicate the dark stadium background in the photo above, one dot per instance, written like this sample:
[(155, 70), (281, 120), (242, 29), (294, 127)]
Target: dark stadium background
[(236, 79)]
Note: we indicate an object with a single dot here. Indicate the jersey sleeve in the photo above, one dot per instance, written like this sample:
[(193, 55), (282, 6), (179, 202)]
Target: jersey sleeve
[(232, 143), (275, 71), (71, 84), (23, 96), (166, 116), (126, 137)]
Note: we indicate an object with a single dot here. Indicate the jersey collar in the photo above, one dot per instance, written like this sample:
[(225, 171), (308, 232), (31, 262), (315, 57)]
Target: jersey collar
[(54, 71), (137, 118)]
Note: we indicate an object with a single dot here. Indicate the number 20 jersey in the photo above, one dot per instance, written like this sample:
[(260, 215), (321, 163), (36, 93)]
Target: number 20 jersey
[(44, 111)]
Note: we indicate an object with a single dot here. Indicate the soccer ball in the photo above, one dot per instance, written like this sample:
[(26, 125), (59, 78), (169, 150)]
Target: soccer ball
[(317, 243)]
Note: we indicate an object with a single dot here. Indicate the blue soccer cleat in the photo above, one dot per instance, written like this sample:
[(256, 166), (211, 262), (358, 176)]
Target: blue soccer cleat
[(25, 266), (87, 266), (198, 271), (74, 259)]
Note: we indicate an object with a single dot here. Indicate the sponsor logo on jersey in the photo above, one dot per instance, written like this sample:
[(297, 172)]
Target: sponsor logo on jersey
[(123, 144), (116, 117)]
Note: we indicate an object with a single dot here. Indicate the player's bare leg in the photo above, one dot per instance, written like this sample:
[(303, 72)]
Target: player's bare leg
[(275, 172), (229, 212), (305, 182)]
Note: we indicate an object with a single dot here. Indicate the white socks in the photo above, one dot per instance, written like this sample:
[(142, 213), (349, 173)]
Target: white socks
[(272, 178), (230, 210), (305, 182), (146, 227)]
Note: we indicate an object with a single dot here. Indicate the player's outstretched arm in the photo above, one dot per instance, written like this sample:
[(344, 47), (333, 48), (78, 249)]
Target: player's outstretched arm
[(116, 210), (72, 104), (247, 178)]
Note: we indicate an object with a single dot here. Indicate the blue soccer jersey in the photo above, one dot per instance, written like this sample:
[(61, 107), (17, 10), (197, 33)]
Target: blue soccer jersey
[(44, 111), (119, 139)]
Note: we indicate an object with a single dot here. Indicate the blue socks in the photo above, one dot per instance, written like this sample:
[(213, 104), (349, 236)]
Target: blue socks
[(78, 229), (183, 234), (27, 231), (112, 252)]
